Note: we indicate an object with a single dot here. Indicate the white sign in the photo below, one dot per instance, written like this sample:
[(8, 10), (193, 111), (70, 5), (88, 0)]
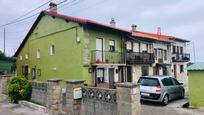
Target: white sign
[(77, 93)]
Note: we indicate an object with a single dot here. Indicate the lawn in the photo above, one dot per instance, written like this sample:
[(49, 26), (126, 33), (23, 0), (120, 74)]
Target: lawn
[(196, 89)]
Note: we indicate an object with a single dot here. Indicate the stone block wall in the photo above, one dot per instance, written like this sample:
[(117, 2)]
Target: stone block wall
[(39, 93), (4, 81)]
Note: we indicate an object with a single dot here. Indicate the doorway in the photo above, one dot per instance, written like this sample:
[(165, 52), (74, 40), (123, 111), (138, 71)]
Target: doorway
[(99, 49)]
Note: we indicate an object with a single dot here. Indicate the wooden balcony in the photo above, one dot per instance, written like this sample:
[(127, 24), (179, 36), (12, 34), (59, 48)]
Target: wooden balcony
[(181, 57), (139, 58), (107, 57)]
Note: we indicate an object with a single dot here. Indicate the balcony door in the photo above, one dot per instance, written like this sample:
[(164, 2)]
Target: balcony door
[(99, 49)]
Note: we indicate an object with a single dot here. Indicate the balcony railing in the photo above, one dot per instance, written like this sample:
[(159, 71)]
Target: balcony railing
[(181, 57), (107, 57), (139, 58)]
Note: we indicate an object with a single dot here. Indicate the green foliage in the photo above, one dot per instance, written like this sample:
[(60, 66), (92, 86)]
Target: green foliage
[(19, 89), (2, 54)]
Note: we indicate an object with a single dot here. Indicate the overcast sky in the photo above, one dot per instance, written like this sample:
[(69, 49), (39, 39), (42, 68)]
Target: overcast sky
[(180, 18)]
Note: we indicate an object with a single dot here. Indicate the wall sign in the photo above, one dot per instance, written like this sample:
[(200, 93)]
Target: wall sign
[(77, 93)]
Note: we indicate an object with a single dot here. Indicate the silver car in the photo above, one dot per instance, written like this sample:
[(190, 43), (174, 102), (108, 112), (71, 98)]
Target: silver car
[(160, 89)]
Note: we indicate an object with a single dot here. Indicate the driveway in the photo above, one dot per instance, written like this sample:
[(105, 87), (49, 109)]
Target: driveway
[(173, 108), (15, 109)]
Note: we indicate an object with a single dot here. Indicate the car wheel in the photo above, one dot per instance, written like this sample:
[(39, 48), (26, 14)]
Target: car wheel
[(182, 94), (165, 100)]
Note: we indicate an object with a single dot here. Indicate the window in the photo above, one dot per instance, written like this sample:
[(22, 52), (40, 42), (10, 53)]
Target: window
[(38, 54), (148, 81), (21, 58), (175, 81), (167, 82), (165, 55), (26, 56), (160, 54), (52, 50), (112, 45), (155, 53), (129, 46), (174, 49), (181, 50), (181, 69)]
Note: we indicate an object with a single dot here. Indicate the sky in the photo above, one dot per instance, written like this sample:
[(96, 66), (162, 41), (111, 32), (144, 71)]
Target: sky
[(181, 18)]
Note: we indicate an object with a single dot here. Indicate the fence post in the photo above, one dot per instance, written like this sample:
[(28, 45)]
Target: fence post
[(128, 99), (73, 96), (4, 81), (54, 102)]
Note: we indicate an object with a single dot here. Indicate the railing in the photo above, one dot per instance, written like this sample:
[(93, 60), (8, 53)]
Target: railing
[(98, 56), (181, 57), (99, 94), (139, 58)]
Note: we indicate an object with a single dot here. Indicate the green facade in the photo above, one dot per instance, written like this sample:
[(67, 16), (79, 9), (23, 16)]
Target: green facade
[(196, 89), (72, 59)]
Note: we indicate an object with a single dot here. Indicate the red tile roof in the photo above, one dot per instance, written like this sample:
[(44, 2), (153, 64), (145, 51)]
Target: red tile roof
[(153, 36), (84, 21)]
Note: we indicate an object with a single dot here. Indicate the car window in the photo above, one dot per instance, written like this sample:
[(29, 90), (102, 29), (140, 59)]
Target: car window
[(148, 82), (167, 82), (175, 81)]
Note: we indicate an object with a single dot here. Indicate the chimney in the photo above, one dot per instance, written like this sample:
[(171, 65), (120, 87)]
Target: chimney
[(53, 7), (134, 27), (112, 22), (159, 32)]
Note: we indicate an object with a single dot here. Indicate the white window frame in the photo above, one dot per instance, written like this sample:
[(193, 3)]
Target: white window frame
[(21, 58), (38, 54), (52, 49), (26, 56)]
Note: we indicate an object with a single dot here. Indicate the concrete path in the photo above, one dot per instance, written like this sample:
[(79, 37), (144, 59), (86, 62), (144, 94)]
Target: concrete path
[(15, 109)]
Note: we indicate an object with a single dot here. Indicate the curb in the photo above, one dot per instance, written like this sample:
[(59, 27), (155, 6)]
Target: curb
[(33, 106)]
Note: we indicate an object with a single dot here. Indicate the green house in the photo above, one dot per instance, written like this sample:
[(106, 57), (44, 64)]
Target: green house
[(196, 80), (70, 48)]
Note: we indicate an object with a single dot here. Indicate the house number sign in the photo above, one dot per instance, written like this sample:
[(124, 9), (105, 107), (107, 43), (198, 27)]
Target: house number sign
[(77, 93)]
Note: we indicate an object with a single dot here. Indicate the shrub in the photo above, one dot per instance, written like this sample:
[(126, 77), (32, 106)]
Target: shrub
[(19, 88)]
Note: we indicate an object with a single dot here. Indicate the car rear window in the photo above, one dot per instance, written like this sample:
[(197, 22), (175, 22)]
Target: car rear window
[(148, 81)]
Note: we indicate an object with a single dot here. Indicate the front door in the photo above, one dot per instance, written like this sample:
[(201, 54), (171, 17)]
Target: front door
[(99, 49), (129, 74), (111, 77)]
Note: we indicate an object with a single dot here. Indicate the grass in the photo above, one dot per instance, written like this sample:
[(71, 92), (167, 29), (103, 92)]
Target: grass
[(196, 89)]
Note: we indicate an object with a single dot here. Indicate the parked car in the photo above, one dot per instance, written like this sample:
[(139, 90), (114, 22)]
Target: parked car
[(160, 89)]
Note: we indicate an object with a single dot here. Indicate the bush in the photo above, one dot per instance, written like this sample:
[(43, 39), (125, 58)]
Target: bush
[(19, 88)]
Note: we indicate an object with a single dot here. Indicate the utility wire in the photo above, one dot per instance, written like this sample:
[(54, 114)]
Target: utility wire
[(20, 17)]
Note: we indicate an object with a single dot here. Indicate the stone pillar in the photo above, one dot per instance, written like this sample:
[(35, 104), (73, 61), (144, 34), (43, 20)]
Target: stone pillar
[(54, 98), (128, 99), (73, 104), (4, 81)]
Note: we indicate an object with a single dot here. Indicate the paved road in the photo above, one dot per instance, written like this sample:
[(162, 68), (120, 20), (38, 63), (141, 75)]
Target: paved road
[(173, 108)]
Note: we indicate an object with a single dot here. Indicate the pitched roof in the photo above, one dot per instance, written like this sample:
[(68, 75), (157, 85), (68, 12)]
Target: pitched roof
[(163, 38), (79, 20), (196, 66)]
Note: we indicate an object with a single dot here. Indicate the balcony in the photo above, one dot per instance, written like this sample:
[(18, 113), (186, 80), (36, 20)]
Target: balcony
[(107, 57), (181, 57), (139, 58)]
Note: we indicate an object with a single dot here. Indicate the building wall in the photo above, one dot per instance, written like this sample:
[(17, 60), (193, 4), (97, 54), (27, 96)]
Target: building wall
[(196, 94), (66, 63)]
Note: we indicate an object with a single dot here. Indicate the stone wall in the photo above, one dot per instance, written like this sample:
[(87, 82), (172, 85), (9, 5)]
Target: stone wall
[(97, 101), (39, 93), (136, 73), (4, 81)]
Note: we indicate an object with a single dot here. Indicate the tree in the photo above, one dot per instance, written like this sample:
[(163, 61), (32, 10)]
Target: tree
[(2, 54)]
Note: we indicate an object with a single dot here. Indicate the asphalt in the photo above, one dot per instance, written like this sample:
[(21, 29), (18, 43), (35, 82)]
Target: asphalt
[(148, 108)]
